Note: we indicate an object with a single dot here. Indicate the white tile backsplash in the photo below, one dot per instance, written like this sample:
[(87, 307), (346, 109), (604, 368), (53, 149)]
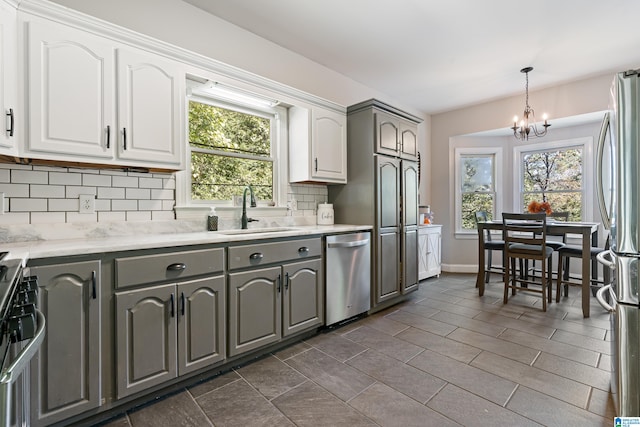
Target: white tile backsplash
[(49, 194)]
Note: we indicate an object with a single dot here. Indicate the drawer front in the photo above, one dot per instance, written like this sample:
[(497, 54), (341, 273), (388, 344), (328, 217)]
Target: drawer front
[(138, 270), (268, 253)]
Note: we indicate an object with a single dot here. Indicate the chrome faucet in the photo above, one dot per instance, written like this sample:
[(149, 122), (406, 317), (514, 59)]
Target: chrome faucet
[(244, 219)]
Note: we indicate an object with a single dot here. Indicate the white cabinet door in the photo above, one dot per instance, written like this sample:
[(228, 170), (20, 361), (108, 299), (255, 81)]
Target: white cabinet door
[(70, 85), (8, 79), (329, 146), (149, 108), (423, 251), (429, 257)]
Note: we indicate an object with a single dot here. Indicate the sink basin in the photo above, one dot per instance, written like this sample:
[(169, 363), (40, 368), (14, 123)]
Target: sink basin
[(256, 231)]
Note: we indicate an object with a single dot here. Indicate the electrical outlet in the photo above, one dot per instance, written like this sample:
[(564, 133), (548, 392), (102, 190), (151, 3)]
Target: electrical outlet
[(87, 203)]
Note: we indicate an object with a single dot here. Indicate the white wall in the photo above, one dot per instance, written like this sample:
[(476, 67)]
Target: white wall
[(567, 100)]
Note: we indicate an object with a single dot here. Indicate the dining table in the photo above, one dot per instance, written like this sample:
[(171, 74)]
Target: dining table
[(588, 231)]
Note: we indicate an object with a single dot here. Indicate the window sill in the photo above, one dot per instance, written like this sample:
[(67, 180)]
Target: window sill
[(228, 212)]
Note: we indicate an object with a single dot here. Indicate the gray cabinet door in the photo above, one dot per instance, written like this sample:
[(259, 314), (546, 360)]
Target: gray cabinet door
[(408, 141), (201, 323), (387, 133), (409, 261), (65, 375), (387, 268), (254, 309), (409, 194), (387, 192), (303, 296), (145, 338)]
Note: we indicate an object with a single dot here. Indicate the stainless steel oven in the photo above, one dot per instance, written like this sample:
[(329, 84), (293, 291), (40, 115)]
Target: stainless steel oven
[(22, 329)]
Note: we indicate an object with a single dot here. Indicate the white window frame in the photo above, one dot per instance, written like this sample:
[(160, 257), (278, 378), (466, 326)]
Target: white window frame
[(498, 166), (585, 143), (187, 207)]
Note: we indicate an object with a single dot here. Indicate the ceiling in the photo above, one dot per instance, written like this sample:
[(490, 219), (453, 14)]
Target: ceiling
[(440, 55)]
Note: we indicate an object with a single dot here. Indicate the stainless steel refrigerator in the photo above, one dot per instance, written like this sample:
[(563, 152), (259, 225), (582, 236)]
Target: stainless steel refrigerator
[(618, 171)]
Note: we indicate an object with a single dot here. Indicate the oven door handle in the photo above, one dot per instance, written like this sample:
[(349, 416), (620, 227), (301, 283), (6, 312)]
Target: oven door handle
[(17, 366)]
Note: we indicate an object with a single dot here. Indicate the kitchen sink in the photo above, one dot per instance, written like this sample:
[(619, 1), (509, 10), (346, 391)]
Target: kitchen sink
[(257, 231)]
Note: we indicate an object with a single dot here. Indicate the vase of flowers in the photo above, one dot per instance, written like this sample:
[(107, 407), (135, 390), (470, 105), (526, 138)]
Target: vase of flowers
[(537, 207)]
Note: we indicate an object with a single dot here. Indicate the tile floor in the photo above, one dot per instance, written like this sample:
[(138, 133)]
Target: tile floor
[(445, 357)]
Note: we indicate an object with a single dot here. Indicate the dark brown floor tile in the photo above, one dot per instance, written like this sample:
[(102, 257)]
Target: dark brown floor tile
[(445, 346), (391, 346), (469, 324), (605, 362), (312, 406), (574, 327), (336, 346), (384, 324), (292, 350), (404, 378), (548, 411), (601, 403), (561, 388), (567, 351), (420, 322), (517, 324), (505, 348), (119, 421), (470, 378), (213, 384), (270, 376), (420, 310), (388, 407), (580, 372), (336, 377), (448, 307), (475, 411), (177, 410), (238, 404)]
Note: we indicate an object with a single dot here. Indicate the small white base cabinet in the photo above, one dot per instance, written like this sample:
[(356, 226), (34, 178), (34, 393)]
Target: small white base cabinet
[(429, 241)]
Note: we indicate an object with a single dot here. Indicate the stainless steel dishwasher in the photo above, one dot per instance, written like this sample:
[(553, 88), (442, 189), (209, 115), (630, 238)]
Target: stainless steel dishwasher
[(347, 275)]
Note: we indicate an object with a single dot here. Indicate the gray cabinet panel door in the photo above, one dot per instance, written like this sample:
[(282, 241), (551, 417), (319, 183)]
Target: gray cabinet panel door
[(303, 296), (388, 260), (408, 140), (409, 194), (254, 309), (65, 376), (388, 192), (201, 323), (387, 133), (146, 338), (410, 261)]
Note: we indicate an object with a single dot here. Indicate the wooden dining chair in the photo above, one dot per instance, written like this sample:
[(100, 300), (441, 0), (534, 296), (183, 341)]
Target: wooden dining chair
[(564, 277), (525, 239), (490, 245), (552, 239)]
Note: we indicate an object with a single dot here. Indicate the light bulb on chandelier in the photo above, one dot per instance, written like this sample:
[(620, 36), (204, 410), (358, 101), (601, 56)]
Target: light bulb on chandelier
[(527, 126)]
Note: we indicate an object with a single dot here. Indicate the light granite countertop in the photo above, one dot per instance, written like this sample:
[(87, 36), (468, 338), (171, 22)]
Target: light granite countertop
[(90, 242)]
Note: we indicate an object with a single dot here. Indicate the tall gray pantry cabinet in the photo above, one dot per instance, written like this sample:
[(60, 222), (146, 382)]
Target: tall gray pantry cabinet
[(382, 189)]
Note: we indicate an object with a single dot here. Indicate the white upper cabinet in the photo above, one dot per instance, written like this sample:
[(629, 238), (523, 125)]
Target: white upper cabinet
[(74, 80), (8, 79), (317, 145), (150, 95)]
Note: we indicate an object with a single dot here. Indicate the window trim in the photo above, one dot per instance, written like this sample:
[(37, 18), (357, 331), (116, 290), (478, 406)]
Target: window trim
[(459, 152), (586, 143)]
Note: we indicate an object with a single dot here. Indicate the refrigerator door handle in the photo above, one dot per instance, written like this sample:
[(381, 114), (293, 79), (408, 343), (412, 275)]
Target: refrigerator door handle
[(601, 299), (602, 203), (601, 258)]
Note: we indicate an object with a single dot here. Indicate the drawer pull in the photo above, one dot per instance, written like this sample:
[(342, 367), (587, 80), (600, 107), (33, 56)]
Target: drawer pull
[(303, 250), (172, 306), (93, 285), (179, 266), (256, 255)]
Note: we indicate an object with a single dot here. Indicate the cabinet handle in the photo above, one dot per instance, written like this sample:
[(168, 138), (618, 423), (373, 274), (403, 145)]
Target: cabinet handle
[(303, 250), (171, 309), (182, 302), (316, 161), (286, 282), (124, 137), (93, 285), (256, 255), (108, 136), (278, 283), (11, 121), (178, 266)]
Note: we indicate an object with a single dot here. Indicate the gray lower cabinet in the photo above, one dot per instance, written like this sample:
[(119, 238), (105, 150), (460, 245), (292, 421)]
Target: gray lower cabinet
[(410, 261), (388, 272), (65, 373), (267, 304), (168, 330)]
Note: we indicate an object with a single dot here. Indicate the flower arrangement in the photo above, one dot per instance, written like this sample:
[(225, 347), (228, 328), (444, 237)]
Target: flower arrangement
[(537, 207)]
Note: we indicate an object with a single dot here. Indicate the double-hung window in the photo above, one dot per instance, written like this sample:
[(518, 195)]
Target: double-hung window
[(477, 178)]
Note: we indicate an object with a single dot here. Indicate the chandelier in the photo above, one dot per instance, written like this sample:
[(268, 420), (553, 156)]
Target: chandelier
[(527, 125)]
